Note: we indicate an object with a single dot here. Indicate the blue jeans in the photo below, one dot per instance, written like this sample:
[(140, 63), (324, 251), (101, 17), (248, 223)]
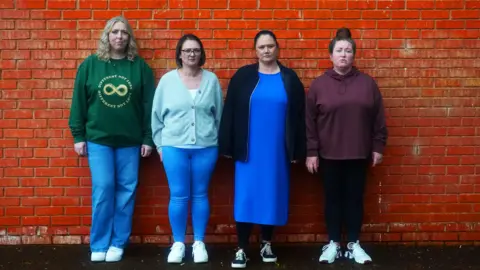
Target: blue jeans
[(188, 173), (114, 183)]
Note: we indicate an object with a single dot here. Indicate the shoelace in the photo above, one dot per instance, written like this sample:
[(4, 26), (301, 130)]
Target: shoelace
[(357, 250), (267, 249), (332, 245), (176, 246), (240, 255)]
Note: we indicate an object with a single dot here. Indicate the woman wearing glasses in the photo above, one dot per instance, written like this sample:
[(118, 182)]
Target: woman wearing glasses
[(185, 119)]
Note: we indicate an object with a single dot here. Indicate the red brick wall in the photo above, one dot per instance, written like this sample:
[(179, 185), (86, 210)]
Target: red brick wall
[(424, 54)]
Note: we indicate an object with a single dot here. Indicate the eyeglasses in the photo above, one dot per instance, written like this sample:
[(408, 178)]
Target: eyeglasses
[(189, 51)]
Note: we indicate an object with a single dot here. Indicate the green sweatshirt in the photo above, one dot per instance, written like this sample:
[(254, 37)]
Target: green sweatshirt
[(112, 102)]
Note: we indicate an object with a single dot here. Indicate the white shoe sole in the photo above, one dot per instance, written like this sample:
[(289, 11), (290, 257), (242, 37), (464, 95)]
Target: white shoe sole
[(175, 260), (236, 265), (269, 260), (200, 261)]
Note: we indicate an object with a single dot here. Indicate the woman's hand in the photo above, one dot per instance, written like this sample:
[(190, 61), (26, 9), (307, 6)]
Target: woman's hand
[(80, 148), (312, 164), (146, 150)]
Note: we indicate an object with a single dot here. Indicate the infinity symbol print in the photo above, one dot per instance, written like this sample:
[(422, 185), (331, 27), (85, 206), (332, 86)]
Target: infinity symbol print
[(110, 89)]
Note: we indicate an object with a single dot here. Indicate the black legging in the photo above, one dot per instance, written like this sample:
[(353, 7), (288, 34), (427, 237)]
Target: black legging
[(344, 182), (245, 229)]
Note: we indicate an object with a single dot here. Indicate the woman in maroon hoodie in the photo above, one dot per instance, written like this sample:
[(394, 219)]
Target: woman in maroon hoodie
[(346, 132)]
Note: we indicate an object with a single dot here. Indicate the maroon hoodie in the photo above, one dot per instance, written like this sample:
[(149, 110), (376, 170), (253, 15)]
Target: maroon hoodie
[(345, 116)]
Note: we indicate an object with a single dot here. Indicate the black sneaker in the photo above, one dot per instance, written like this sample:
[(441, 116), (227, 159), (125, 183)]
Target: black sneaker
[(240, 260), (266, 253)]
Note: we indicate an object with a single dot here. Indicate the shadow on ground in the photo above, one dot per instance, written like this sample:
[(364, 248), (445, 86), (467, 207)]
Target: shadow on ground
[(303, 257)]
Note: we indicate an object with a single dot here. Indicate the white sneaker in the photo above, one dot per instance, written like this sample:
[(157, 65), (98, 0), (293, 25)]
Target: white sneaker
[(199, 253), (266, 252), (240, 260), (97, 256), (356, 252), (330, 252), (177, 253), (114, 254)]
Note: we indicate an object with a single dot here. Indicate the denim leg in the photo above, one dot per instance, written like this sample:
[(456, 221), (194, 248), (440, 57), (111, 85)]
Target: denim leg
[(101, 162), (177, 167), (127, 161), (203, 164)]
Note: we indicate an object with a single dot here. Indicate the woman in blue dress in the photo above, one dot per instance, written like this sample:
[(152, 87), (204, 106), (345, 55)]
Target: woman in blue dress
[(263, 131)]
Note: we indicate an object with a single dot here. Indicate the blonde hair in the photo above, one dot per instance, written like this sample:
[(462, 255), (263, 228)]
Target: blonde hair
[(103, 51)]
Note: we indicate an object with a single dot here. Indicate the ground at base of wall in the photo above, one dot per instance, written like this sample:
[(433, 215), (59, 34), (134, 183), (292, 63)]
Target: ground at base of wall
[(301, 257)]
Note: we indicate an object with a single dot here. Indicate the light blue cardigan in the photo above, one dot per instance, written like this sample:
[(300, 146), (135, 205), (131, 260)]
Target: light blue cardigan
[(179, 120)]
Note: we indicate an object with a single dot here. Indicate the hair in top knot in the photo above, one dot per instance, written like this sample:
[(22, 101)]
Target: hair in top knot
[(343, 33)]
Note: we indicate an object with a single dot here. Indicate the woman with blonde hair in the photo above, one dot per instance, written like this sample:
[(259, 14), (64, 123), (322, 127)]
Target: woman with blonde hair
[(110, 123)]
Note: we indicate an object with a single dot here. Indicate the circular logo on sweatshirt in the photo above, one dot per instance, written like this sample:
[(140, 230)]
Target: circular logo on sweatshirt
[(115, 91)]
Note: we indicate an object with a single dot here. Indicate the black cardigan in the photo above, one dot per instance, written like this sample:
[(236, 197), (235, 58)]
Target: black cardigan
[(233, 134)]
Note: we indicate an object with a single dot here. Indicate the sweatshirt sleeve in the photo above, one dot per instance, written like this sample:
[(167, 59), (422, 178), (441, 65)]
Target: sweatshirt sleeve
[(148, 93), (157, 115), (380, 132), (311, 115), (79, 105)]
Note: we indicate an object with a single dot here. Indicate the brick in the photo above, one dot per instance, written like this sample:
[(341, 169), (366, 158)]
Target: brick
[(10, 240), (7, 34), (61, 44), (167, 14), (8, 44), (66, 240), (46, 74), (214, 4), (35, 201), (227, 14), (30, 64), (7, 25), (197, 14), (270, 4), (77, 14), (61, 25), (75, 211), (93, 4), (29, 221), (36, 240), (64, 181), (19, 211), (214, 24), (34, 162), (48, 55), (7, 4), (17, 191), (61, 4), (18, 153), (45, 14), (257, 14), (68, 34), (156, 24), (30, 4), (242, 4), (138, 14), (65, 220)]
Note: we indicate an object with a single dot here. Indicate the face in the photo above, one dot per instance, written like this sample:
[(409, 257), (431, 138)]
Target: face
[(191, 53), (118, 37), (266, 49), (342, 55)]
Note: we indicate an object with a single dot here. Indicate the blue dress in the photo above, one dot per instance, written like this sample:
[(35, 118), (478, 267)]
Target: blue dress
[(262, 183)]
